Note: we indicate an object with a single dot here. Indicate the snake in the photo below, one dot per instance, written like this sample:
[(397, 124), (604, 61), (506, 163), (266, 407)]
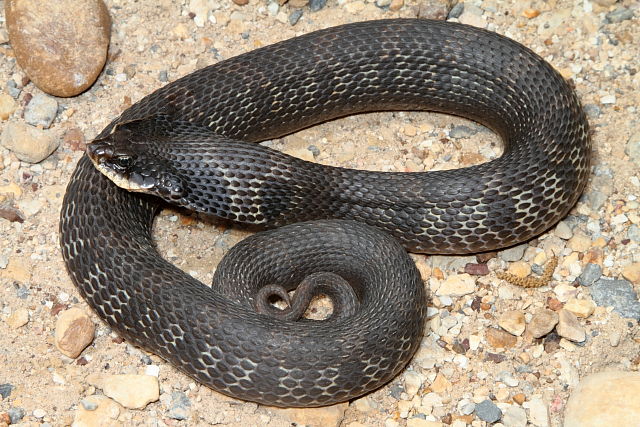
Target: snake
[(194, 143)]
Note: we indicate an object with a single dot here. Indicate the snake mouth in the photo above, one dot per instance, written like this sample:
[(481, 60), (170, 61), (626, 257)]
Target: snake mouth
[(114, 165)]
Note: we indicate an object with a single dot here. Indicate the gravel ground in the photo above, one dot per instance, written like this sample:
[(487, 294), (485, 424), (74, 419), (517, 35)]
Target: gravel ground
[(494, 352)]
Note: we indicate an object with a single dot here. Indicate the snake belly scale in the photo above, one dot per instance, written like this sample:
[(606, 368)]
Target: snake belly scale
[(400, 64)]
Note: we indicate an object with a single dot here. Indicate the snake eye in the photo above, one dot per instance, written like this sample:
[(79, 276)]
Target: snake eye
[(122, 162)]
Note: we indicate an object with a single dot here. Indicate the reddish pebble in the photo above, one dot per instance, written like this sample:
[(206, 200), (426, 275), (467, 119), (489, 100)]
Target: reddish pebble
[(476, 269)]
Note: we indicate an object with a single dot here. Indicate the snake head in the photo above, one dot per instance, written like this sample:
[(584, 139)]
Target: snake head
[(130, 167)]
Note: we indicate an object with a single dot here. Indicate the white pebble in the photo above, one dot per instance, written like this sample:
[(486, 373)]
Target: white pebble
[(608, 99), (39, 413)]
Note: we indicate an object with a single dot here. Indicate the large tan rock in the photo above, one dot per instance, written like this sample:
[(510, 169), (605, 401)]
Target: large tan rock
[(61, 45), (605, 399)]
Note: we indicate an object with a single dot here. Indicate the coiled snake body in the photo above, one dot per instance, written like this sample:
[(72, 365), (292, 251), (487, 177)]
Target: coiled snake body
[(169, 144)]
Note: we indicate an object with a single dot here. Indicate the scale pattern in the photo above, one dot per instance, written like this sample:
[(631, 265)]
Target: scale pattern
[(371, 66)]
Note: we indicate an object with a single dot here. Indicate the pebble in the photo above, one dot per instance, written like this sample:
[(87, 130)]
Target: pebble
[(605, 399), (62, 60), (330, 416), (519, 269), (542, 322), (39, 413), (579, 242), (129, 390), (74, 332), (488, 411), (507, 378), (499, 339), (631, 272), (514, 254), (569, 327), (180, 406), (412, 383), (29, 144), (7, 106), (295, 16), (618, 15), (456, 11), (462, 131), (590, 274), (41, 110), (514, 416), (16, 415), (616, 293), (97, 410), (316, 5), (513, 322), (472, 15), (5, 390), (563, 230), (580, 307), (633, 233), (18, 318), (538, 412), (457, 285), (608, 99), (476, 269), (632, 149)]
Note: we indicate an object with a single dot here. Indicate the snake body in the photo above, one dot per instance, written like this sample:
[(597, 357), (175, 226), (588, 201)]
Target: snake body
[(201, 128)]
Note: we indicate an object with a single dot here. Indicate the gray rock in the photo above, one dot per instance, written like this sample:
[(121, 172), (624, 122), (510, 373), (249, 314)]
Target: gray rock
[(163, 76), (89, 405), (619, 294), (295, 16), (632, 148), (456, 10), (514, 254), (41, 110), (462, 131), (6, 389), (590, 274), (618, 15), (634, 233), (180, 405), (316, 5), (13, 89), (488, 411), (16, 415), (593, 110), (596, 200)]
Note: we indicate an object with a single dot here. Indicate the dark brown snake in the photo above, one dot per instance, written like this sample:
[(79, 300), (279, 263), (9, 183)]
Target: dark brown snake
[(192, 143)]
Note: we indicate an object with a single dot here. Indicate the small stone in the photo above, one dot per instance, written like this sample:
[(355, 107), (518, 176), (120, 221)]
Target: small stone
[(241, 2), (499, 339), (618, 15), (608, 99), (457, 285), (507, 378), (519, 398), (7, 106), (28, 143), (396, 5), (472, 15), (475, 269), (41, 110), (632, 149), (74, 332), (295, 16), (579, 243), (513, 322), (633, 233), (530, 13), (538, 412), (5, 390), (61, 45), (580, 307), (131, 391), (440, 384), (316, 5), (200, 10), (563, 230), (514, 416), (412, 383), (462, 131), (419, 422), (542, 323), (488, 411), (590, 274), (18, 318), (180, 405), (569, 327), (39, 413), (97, 410), (519, 269), (16, 415), (616, 293), (605, 399), (631, 272), (513, 254), (330, 416)]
